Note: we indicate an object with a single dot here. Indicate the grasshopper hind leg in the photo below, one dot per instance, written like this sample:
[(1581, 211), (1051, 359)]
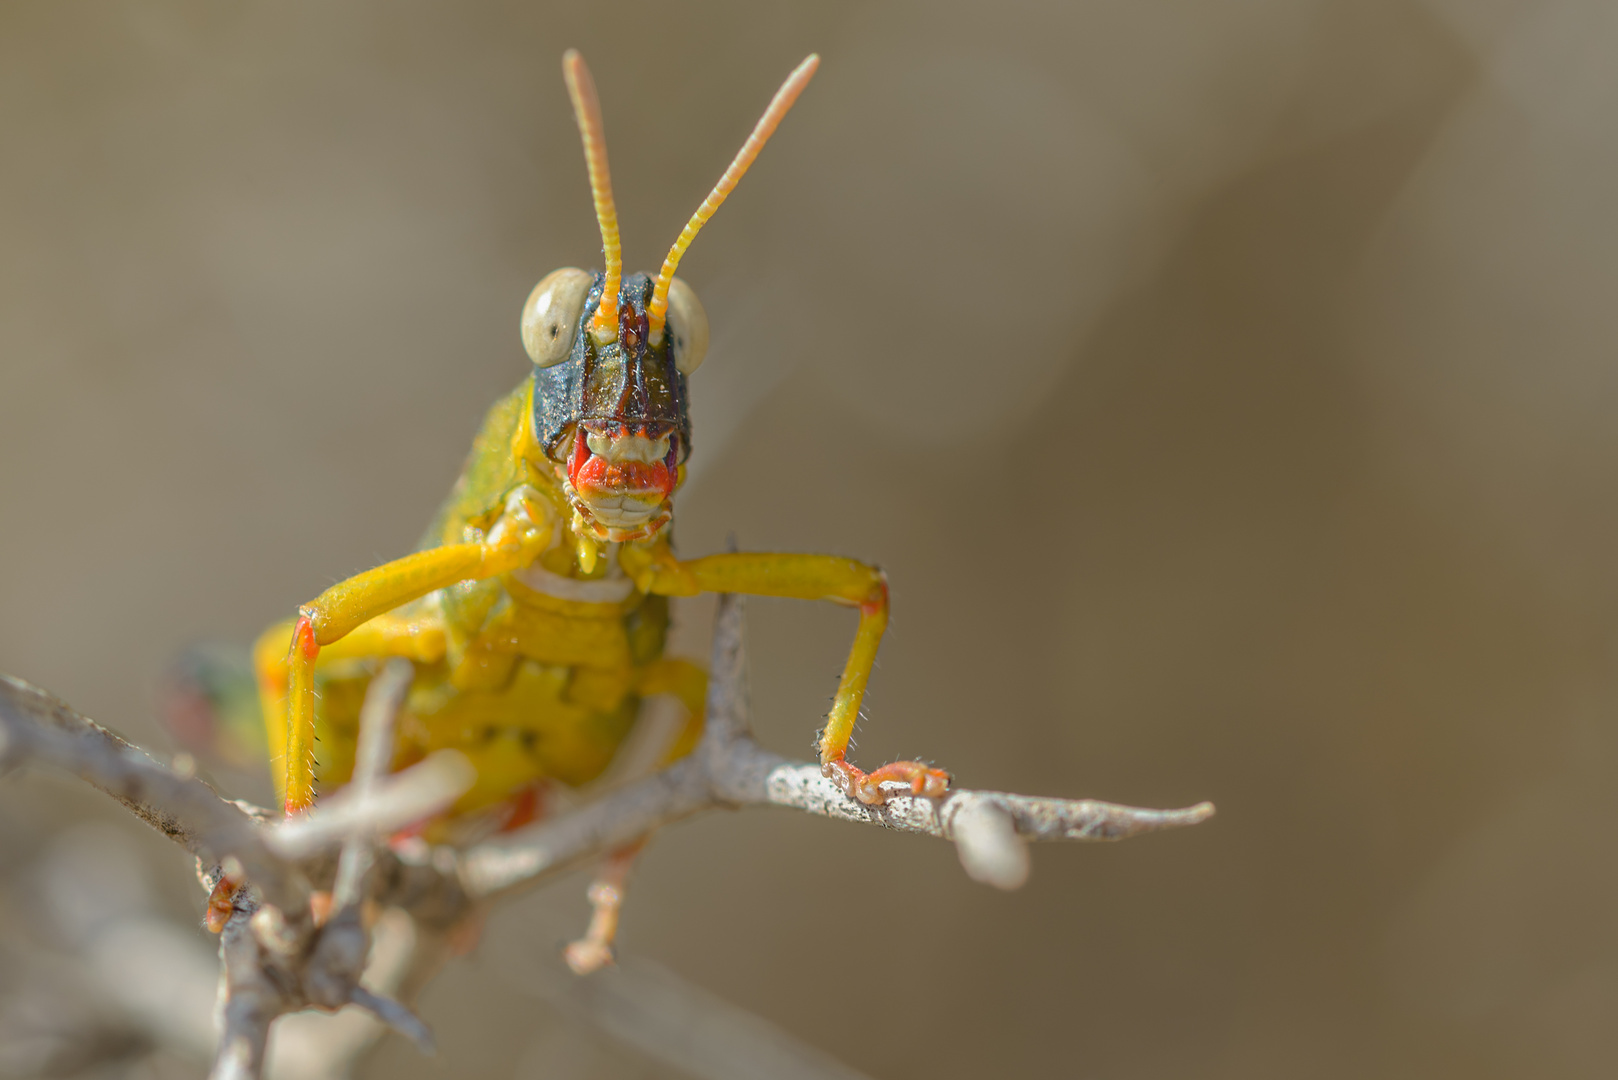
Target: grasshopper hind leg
[(688, 683), (594, 951)]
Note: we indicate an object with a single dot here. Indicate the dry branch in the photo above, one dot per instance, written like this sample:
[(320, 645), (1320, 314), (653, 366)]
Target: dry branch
[(276, 959), (730, 770), (35, 727)]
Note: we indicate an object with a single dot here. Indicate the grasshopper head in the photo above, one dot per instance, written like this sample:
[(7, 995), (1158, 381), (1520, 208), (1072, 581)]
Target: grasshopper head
[(611, 354), (613, 412)]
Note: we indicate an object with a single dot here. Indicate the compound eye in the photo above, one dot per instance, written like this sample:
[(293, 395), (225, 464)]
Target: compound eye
[(550, 318), (687, 327)]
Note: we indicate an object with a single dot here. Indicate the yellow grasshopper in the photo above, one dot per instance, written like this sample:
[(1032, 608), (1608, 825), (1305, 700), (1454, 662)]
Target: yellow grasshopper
[(536, 607)]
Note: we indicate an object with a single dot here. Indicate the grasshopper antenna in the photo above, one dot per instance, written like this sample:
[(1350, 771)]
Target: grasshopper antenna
[(657, 310), (587, 110)]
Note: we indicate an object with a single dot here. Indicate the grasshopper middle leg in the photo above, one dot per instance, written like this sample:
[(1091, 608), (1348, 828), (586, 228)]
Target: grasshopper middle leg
[(807, 577)]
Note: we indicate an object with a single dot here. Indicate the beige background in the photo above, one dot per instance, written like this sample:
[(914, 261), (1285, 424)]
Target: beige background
[(1227, 389)]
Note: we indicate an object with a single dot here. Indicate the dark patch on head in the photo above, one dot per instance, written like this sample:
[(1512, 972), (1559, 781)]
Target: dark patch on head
[(629, 380)]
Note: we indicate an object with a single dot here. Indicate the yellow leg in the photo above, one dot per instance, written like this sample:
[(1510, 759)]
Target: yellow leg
[(804, 577), (687, 682), (347, 605), (415, 635)]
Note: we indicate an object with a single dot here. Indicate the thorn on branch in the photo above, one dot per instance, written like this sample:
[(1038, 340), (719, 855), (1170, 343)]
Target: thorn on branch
[(730, 769), (397, 1017), (373, 755), (276, 958)]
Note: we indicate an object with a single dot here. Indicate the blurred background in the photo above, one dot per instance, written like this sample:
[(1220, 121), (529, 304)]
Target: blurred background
[(1226, 388)]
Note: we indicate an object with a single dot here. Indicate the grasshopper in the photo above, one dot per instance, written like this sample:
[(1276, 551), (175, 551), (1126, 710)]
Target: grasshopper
[(535, 609)]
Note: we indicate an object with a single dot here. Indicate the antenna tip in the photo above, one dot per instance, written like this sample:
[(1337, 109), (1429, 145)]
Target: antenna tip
[(575, 72)]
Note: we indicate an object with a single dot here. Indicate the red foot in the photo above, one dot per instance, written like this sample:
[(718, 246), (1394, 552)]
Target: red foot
[(527, 808), (866, 787), (221, 903)]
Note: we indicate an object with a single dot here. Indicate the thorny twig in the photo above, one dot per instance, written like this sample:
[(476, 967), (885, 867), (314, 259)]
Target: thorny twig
[(730, 769), (277, 960), (372, 757), (34, 726), (275, 966)]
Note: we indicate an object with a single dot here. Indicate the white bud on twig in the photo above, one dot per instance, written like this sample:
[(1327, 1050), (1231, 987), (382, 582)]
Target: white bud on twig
[(989, 847)]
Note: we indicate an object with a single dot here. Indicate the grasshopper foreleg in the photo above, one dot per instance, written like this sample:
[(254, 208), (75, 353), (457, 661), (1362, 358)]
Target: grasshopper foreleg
[(805, 577), (522, 531)]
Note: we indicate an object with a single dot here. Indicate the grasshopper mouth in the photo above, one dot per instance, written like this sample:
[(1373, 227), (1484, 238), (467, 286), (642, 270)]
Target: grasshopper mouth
[(620, 477)]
